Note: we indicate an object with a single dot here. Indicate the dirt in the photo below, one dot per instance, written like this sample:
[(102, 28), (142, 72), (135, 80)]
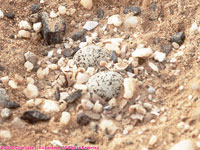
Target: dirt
[(170, 17)]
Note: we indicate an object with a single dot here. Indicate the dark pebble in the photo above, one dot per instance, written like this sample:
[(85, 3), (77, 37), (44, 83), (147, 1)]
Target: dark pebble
[(83, 39), (11, 104), (135, 10), (114, 57), (35, 8), (74, 96), (129, 68), (57, 94), (53, 30), (82, 119), (76, 49), (90, 140), (12, 36), (167, 48), (178, 38), (10, 15), (78, 35), (2, 68), (33, 116), (68, 52), (100, 13)]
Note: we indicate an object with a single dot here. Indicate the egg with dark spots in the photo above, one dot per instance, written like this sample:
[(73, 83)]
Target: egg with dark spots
[(106, 84), (90, 56)]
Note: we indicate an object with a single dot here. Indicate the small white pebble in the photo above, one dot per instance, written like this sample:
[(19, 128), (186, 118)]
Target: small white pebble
[(88, 4), (62, 10), (37, 26), (83, 44), (29, 66), (87, 104), (181, 88), (24, 34), (190, 97), (116, 20), (153, 140), (53, 14), (24, 25), (12, 84), (4, 79), (1, 14), (31, 91), (65, 118), (98, 108), (50, 54), (30, 103), (30, 80)]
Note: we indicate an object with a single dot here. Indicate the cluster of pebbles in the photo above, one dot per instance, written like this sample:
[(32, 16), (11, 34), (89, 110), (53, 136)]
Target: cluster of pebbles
[(98, 79)]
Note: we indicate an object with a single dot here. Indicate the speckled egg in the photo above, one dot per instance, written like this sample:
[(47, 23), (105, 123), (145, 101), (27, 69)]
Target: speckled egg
[(90, 56), (106, 84)]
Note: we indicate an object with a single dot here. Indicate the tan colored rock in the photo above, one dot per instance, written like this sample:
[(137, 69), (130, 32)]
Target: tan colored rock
[(130, 87), (31, 91), (183, 145), (65, 118), (87, 4)]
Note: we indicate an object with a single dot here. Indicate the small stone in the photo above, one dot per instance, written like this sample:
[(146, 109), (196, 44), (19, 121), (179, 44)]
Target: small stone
[(10, 15), (167, 48), (179, 38), (153, 140), (130, 87), (92, 115), (53, 14), (159, 56), (1, 14), (4, 79), (78, 35), (24, 34), (53, 66), (153, 66), (11, 104), (87, 104), (100, 13), (142, 52), (175, 45), (35, 8), (183, 145), (105, 84), (98, 108), (131, 22), (37, 27), (113, 102), (30, 103), (90, 25), (18, 78), (151, 90), (194, 27), (65, 118), (5, 134), (53, 30), (114, 57), (17, 123), (34, 116), (82, 87), (31, 91), (116, 20), (33, 18), (6, 113), (82, 78), (108, 125), (62, 10), (29, 66), (31, 57), (50, 106), (74, 96), (12, 84), (25, 25), (3, 96), (135, 10), (82, 119), (88, 4)]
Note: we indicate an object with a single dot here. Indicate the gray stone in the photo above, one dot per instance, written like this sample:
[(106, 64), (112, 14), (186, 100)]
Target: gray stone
[(90, 56), (179, 38), (31, 57), (3, 97), (6, 113), (105, 84), (53, 30), (18, 123)]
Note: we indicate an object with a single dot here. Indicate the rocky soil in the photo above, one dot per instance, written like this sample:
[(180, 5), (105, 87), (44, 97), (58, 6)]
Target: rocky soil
[(102, 74)]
